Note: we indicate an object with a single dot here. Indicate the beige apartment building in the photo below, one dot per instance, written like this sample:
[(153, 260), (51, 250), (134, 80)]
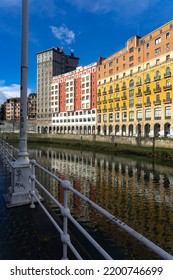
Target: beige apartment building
[(134, 87), (12, 109), (50, 62)]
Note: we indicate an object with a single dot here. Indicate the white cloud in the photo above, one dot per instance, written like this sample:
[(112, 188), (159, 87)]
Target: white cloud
[(63, 34), (9, 91)]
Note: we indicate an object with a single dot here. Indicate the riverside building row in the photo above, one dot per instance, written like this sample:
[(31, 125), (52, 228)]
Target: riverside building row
[(127, 94)]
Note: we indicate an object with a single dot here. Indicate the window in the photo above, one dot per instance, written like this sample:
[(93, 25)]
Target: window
[(157, 74), (117, 116), (147, 45), (131, 58), (157, 113), (131, 103), (167, 112), (168, 83), (124, 116), (139, 50), (157, 61), (157, 98), (139, 100), (167, 46), (148, 100), (168, 71), (147, 78), (99, 118), (131, 84), (131, 115), (157, 40), (131, 50), (167, 35), (157, 51), (148, 114), (139, 115), (104, 118), (111, 117), (168, 96), (111, 63), (167, 58), (157, 85)]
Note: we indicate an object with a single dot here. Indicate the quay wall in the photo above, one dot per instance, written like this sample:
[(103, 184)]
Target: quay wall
[(166, 143)]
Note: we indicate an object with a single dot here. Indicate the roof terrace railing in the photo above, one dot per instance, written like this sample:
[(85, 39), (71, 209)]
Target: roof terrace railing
[(7, 153)]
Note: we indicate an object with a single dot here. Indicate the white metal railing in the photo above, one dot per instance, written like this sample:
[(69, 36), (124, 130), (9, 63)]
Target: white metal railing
[(7, 153)]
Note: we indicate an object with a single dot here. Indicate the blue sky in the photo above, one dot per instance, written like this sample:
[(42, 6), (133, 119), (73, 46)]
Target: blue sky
[(89, 28)]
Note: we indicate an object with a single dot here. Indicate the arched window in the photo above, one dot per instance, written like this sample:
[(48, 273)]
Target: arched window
[(168, 72), (147, 77), (157, 74), (131, 84)]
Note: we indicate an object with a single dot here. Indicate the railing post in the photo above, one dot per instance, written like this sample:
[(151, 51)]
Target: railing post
[(65, 211), (32, 192)]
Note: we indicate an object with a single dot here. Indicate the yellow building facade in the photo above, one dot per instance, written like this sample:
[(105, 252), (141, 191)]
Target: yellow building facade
[(134, 87)]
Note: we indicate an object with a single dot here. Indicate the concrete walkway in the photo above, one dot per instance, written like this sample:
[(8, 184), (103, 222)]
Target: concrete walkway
[(26, 234)]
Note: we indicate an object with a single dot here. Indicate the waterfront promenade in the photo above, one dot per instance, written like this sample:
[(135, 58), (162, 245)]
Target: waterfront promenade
[(26, 234)]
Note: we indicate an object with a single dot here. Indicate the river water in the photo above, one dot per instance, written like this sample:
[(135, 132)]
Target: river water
[(138, 193)]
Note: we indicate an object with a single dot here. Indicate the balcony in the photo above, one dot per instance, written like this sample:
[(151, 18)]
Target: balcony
[(157, 78), (117, 98), (110, 109), (147, 81), (123, 88), (124, 107), (104, 110), (168, 87), (167, 101), (99, 93), (117, 89), (167, 75), (104, 92), (117, 108), (104, 101), (111, 91), (157, 103), (98, 102), (139, 93), (138, 84), (110, 100), (139, 105), (98, 111), (147, 104), (124, 97), (157, 89), (147, 92)]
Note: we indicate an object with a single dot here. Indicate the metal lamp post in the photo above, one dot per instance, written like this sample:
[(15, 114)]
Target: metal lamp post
[(19, 191), (23, 154)]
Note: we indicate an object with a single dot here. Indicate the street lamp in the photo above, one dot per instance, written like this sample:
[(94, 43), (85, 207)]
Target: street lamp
[(19, 191)]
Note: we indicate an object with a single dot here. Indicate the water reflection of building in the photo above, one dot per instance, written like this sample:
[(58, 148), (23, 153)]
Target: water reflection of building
[(137, 193)]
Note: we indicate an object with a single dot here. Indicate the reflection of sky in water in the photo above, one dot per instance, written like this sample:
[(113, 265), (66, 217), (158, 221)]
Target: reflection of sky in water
[(138, 193)]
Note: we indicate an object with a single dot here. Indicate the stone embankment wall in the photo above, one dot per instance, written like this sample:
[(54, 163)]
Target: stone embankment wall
[(134, 141)]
